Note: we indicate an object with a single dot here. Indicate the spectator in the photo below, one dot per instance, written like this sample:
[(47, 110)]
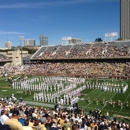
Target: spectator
[(3, 117), (22, 119), (27, 127), (13, 122), (67, 125), (4, 127), (41, 126), (54, 127), (75, 127)]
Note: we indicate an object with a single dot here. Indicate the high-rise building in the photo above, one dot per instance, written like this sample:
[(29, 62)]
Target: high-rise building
[(29, 42), (8, 45), (43, 40), (75, 41), (125, 19)]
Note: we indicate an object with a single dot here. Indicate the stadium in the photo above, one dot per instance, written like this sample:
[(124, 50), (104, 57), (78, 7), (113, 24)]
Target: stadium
[(82, 78)]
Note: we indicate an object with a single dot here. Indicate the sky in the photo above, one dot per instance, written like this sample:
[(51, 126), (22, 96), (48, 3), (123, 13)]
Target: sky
[(83, 19)]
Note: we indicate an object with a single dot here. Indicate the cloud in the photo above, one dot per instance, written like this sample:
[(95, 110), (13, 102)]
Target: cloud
[(20, 5), (16, 33), (50, 3)]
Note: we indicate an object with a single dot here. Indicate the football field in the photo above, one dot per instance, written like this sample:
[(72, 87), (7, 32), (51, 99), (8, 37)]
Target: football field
[(93, 94)]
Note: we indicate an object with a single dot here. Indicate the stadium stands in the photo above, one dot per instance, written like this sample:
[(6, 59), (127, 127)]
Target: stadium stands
[(110, 60), (3, 57), (82, 69), (85, 51)]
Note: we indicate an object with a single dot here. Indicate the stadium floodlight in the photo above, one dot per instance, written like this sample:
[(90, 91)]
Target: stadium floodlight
[(66, 39), (21, 38), (63, 38), (69, 38), (111, 36)]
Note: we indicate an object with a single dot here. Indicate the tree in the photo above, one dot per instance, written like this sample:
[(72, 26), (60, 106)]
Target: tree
[(98, 40), (119, 39)]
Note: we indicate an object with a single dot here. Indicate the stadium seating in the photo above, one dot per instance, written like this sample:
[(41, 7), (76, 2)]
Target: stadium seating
[(87, 51), (3, 57), (97, 60)]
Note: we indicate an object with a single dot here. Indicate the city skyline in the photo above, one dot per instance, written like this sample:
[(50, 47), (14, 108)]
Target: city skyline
[(84, 19)]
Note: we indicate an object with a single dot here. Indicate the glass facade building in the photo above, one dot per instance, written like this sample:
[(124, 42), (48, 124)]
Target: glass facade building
[(29, 42), (125, 19), (43, 40)]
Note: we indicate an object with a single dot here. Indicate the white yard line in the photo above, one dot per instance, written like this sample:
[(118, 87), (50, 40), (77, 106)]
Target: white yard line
[(111, 98), (94, 99), (127, 98), (91, 91), (125, 101), (87, 95)]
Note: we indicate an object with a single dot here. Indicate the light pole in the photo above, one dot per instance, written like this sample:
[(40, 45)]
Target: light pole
[(21, 38)]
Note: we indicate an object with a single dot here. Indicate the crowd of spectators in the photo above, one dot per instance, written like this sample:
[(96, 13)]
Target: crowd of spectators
[(92, 69), (19, 116), (88, 69), (9, 70), (97, 50)]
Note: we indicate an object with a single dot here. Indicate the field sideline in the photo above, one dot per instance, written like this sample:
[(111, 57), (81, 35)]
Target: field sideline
[(6, 90)]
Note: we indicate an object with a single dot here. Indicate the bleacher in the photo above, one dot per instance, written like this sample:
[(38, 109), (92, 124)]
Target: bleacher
[(3, 57), (85, 51), (39, 51)]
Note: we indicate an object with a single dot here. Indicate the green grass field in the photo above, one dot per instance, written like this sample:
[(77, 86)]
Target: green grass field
[(95, 93), (6, 90)]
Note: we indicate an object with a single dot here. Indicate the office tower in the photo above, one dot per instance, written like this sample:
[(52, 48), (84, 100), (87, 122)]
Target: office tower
[(43, 40), (125, 19), (8, 45), (75, 41), (29, 42)]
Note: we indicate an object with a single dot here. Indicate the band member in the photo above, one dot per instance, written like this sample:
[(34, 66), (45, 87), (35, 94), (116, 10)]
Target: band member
[(119, 102), (121, 105), (21, 91), (30, 92), (127, 103), (25, 91), (97, 101), (103, 101), (113, 103), (89, 100)]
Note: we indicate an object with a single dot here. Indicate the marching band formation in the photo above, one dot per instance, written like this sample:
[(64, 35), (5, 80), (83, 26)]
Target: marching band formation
[(62, 90), (111, 102), (108, 87), (66, 90)]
